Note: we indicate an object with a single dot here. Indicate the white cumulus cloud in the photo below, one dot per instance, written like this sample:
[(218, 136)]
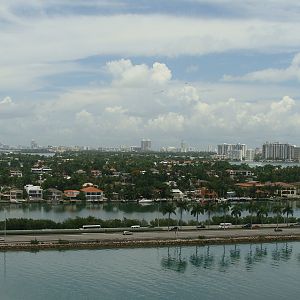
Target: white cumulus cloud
[(292, 72)]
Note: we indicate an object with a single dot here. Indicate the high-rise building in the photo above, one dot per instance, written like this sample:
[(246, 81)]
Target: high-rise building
[(277, 151), (250, 153), (235, 155), (34, 144), (210, 148), (145, 145), (229, 150), (297, 154), (183, 147)]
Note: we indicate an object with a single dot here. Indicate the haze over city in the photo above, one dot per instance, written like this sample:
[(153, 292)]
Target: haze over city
[(111, 72)]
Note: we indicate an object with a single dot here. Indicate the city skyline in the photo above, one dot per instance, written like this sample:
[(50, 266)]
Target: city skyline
[(233, 151), (105, 72)]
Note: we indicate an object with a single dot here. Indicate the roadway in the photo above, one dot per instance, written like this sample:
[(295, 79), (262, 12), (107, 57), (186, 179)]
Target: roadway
[(151, 235)]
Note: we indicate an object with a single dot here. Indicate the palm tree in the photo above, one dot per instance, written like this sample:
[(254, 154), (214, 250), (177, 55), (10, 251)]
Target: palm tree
[(288, 211), (251, 207), (277, 209), (169, 209), (225, 208), (182, 205), (209, 208), (236, 212), (262, 212), (196, 210)]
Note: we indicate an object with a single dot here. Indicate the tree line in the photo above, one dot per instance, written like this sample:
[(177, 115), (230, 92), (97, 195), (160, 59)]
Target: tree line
[(258, 213)]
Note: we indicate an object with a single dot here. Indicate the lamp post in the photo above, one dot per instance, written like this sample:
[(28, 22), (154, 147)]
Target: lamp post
[(4, 224)]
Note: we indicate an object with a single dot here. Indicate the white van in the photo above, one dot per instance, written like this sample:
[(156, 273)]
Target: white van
[(225, 225), (135, 226)]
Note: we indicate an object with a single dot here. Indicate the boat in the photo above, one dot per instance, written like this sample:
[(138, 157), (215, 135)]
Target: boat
[(145, 201)]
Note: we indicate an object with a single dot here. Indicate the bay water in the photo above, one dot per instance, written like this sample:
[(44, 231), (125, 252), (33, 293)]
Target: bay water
[(247, 271)]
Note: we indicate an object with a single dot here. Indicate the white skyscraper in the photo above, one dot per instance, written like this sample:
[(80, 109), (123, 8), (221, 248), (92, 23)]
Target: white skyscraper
[(231, 150), (277, 151)]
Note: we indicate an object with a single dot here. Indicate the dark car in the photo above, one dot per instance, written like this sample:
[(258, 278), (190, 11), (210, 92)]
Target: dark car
[(277, 229), (200, 226), (247, 226), (175, 228)]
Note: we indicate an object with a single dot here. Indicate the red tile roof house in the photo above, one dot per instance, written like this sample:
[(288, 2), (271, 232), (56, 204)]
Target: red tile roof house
[(71, 194), (93, 194)]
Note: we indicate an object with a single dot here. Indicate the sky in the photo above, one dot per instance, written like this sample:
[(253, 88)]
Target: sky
[(109, 73)]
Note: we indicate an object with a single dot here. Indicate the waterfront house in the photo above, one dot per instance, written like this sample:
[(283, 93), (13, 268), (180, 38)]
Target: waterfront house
[(71, 194), (93, 194), (15, 195), (285, 190), (34, 192), (54, 195)]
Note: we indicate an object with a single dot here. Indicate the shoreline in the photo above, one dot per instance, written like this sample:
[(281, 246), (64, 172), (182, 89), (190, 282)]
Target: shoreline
[(144, 243)]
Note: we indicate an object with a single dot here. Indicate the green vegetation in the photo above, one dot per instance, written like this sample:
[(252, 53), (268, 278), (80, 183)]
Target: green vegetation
[(169, 209), (131, 176), (197, 209), (234, 217)]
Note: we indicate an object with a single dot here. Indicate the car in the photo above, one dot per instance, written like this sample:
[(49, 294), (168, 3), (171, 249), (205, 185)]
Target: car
[(126, 232), (200, 226), (225, 225), (247, 226), (135, 226), (277, 229), (174, 228)]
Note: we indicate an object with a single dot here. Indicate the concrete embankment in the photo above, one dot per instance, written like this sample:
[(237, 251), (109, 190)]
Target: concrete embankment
[(71, 245)]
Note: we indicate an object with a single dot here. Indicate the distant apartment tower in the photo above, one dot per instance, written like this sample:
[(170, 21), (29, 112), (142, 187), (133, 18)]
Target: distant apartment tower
[(278, 151), (33, 144), (210, 148), (250, 153), (233, 151), (297, 154), (183, 147), (145, 145), (235, 155)]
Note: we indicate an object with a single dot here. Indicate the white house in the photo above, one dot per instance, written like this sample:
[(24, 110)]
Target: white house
[(34, 192)]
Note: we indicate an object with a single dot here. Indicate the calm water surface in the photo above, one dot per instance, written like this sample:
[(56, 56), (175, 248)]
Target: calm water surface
[(104, 211), (261, 271)]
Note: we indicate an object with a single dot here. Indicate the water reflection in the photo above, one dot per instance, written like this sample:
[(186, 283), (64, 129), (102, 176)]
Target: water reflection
[(174, 261), (223, 258), (235, 254), (202, 260), (224, 262), (260, 253)]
